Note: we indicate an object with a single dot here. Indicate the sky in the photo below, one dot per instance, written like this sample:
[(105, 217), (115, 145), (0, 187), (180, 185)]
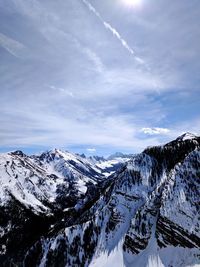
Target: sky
[(98, 76)]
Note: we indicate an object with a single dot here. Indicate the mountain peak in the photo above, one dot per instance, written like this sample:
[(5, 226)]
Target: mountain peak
[(186, 136), (18, 153), (116, 155)]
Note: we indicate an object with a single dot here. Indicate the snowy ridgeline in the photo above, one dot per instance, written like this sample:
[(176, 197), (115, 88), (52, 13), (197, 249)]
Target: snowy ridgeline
[(134, 211), (33, 180)]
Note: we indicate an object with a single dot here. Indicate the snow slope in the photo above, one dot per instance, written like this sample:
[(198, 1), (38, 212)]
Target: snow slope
[(26, 182), (145, 214)]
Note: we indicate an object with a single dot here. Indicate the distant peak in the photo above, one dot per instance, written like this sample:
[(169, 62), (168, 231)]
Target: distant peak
[(115, 155), (119, 155), (57, 151), (186, 136), (81, 155), (18, 153)]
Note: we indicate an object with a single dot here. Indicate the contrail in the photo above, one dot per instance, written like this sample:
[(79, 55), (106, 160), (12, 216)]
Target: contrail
[(12, 46), (124, 43), (113, 31)]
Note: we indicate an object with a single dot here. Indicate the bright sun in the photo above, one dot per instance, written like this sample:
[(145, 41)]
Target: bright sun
[(133, 3)]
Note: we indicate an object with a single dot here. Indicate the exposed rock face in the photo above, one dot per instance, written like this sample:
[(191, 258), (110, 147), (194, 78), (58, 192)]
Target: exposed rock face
[(171, 212), (145, 214)]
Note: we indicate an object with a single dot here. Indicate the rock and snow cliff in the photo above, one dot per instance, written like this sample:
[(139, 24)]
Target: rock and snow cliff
[(146, 213)]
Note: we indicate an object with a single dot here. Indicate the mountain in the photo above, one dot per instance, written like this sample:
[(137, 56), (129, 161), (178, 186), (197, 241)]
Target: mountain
[(146, 213), (74, 168), (37, 192), (110, 164)]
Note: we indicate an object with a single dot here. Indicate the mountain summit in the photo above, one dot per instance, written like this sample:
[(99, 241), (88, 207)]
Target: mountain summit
[(186, 136)]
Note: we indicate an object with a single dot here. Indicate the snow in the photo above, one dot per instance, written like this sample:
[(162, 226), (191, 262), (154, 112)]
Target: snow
[(186, 136), (26, 182), (82, 186), (29, 181), (109, 250), (71, 167), (179, 257), (115, 258), (179, 199), (109, 166), (45, 251), (153, 256), (165, 257), (110, 163)]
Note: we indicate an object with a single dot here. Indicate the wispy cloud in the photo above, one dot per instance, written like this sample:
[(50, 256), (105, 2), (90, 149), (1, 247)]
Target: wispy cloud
[(91, 150), (94, 59), (63, 91), (155, 131), (14, 47)]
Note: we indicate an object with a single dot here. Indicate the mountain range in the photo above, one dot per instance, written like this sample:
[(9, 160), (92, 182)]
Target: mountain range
[(137, 210)]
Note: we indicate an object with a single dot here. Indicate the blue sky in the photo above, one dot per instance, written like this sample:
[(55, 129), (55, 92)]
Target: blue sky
[(97, 76)]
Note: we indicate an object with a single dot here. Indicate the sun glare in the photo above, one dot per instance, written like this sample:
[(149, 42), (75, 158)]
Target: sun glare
[(133, 3)]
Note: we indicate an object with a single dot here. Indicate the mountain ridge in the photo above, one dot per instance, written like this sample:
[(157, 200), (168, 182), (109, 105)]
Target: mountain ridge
[(146, 213)]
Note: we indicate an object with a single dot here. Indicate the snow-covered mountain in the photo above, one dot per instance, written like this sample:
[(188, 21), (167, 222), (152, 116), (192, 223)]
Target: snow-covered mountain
[(37, 191), (36, 180), (109, 165), (73, 168), (145, 214)]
